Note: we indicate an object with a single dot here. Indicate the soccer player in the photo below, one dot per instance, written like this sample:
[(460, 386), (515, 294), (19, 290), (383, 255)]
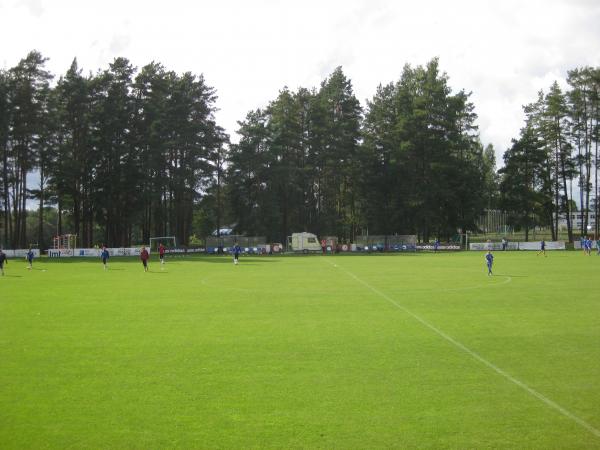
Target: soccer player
[(105, 255), (236, 253), (436, 245), (29, 258), (489, 260), (161, 255), (3, 259), (598, 245), (588, 246), (144, 256), (504, 244), (542, 248)]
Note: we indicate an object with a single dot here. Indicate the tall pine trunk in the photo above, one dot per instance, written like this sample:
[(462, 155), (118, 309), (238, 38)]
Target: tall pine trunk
[(588, 173), (596, 206), (7, 221), (24, 211), (556, 190), (41, 243)]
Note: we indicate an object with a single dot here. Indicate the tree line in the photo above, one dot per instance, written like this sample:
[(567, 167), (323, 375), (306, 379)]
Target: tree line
[(409, 162), (556, 151), (123, 154)]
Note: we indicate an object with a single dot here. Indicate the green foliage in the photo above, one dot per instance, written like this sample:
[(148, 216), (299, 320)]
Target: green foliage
[(28, 89), (310, 162), (524, 176), (195, 241), (557, 125), (422, 150), (296, 164), (125, 154)]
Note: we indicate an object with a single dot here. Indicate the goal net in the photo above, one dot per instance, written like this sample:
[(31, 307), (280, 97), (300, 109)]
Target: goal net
[(168, 241)]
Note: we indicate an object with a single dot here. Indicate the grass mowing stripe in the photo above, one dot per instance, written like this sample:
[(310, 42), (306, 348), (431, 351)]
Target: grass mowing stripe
[(473, 354)]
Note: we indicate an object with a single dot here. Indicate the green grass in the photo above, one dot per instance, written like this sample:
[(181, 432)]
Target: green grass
[(301, 352)]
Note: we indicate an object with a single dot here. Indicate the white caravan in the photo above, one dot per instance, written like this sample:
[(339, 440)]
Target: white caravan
[(303, 242)]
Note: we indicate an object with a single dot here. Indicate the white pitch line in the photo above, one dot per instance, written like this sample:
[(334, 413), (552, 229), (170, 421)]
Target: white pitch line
[(479, 358)]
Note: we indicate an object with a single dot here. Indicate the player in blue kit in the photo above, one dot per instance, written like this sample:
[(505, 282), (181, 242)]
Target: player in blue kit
[(236, 253), (489, 260), (542, 248), (104, 255), (588, 246), (29, 258)]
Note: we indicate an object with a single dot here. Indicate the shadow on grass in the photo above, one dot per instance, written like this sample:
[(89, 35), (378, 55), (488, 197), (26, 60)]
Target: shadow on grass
[(228, 259), (509, 275), (11, 276), (243, 260), (351, 254), (135, 260)]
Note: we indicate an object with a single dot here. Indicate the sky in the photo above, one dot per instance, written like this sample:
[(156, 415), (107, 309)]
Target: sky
[(503, 52)]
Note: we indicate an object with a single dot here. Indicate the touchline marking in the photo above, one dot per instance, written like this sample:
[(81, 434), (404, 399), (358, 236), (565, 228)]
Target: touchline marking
[(479, 358)]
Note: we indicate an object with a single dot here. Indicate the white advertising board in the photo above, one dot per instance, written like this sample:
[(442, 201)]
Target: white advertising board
[(95, 252), (497, 246), (550, 245)]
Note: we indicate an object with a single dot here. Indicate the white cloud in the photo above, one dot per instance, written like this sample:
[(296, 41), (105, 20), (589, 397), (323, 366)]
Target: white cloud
[(503, 52), (35, 7)]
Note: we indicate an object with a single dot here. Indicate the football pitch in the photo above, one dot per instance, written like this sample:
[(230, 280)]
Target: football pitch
[(350, 351)]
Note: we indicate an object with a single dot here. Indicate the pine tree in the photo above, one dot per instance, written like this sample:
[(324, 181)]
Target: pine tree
[(75, 163), (556, 128), (28, 96), (523, 179), (4, 152)]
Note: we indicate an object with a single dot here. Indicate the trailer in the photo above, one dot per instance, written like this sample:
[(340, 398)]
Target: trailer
[(303, 243)]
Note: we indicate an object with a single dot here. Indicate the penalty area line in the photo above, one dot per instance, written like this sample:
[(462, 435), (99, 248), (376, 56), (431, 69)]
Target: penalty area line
[(552, 404)]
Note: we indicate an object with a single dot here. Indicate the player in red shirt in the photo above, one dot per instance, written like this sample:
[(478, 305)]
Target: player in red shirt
[(144, 256), (161, 255)]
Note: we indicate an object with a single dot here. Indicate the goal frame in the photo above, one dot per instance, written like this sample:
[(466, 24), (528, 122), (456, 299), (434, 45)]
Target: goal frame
[(159, 239), (64, 242)]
